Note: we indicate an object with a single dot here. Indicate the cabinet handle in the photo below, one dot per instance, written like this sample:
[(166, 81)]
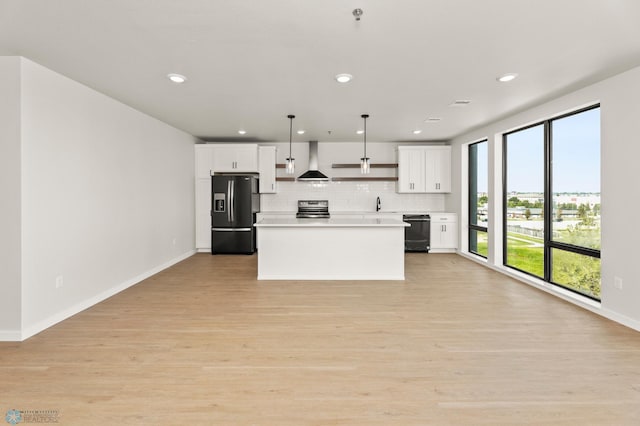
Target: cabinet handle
[(273, 186)]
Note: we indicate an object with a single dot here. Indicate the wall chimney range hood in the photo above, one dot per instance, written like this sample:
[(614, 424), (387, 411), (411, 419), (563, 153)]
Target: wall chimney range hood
[(313, 174)]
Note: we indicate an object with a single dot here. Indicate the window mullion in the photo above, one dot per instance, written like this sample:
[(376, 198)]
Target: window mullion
[(548, 200)]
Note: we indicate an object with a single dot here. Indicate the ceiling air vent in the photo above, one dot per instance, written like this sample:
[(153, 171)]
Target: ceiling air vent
[(460, 103)]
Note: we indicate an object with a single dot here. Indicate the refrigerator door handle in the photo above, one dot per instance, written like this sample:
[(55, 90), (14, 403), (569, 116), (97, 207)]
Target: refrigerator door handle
[(233, 201), (231, 229), (229, 201)]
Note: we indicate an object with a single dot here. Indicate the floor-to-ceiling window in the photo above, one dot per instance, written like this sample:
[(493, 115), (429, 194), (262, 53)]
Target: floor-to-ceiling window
[(478, 198), (552, 201)]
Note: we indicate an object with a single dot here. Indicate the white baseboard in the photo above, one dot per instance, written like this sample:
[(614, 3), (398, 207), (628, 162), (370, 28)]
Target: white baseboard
[(79, 307), (621, 319), (10, 336)]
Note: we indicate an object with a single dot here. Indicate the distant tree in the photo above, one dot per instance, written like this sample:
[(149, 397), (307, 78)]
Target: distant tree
[(582, 211), (568, 206), (559, 215), (527, 214), (482, 200), (596, 210), (513, 202)]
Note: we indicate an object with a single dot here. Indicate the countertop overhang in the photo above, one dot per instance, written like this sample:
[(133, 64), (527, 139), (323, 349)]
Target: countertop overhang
[(330, 223)]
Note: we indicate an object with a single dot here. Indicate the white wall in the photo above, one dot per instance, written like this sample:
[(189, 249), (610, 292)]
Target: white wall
[(619, 98), (345, 196), (10, 244), (107, 196)]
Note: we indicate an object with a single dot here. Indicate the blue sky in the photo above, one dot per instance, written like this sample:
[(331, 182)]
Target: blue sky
[(576, 156)]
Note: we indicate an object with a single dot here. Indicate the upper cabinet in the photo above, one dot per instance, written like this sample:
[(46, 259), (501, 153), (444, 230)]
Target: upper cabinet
[(424, 169), (235, 158), (438, 169), (411, 169), (226, 158), (267, 168), (204, 160)]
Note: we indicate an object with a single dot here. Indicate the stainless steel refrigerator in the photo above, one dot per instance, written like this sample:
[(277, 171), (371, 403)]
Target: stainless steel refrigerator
[(235, 202)]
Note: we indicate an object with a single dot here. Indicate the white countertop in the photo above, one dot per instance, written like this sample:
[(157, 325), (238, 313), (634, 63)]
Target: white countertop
[(287, 222), (340, 213)]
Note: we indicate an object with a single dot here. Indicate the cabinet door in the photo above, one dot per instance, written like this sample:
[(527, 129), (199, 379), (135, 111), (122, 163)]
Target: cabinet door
[(438, 169), (235, 158), (246, 159), (444, 231), (224, 158), (267, 169), (203, 213), (411, 170), (204, 162)]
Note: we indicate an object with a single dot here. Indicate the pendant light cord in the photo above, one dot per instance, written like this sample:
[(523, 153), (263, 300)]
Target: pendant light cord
[(365, 136), (291, 117), (365, 116)]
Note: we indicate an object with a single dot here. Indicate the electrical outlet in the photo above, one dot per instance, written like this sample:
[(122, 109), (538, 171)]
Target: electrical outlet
[(59, 281), (617, 283)]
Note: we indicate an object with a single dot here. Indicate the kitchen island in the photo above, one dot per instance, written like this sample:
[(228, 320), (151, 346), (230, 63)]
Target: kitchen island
[(330, 249)]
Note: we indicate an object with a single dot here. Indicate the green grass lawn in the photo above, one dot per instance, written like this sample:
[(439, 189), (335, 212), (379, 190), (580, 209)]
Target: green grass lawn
[(523, 255), (581, 273)]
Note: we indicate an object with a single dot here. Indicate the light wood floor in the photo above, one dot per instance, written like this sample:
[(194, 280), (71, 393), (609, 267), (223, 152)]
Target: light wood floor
[(204, 343)]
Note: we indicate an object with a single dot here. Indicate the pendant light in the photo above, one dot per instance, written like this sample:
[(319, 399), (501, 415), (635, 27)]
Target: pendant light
[(365, 162), (290, 166)]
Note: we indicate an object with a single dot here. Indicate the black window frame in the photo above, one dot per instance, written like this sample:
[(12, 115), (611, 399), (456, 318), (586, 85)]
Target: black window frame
[(549, 244), (473, 189)]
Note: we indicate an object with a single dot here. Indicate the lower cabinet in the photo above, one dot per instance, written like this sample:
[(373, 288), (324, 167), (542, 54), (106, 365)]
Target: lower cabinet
[(444, 232)]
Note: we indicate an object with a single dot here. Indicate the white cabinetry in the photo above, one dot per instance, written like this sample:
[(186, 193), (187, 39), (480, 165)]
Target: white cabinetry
[(203, 214), (235, 158), (204, 161), (444, 232), (438, 169), (267, 169), (425, 169), (411, 169)]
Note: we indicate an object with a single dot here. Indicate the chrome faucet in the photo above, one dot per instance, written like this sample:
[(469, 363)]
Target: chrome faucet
[(378, 204)]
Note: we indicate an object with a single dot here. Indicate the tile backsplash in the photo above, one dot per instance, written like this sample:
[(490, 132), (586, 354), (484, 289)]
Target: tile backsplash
[(350, 196)]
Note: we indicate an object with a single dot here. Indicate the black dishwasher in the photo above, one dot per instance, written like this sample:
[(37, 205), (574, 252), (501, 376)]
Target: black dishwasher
[(417, 236)]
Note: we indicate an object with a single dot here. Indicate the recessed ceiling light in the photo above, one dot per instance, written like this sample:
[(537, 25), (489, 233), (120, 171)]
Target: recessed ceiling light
[(432, 120), (360, 132), (460, 103), (344, 78), (177, 78), (242, 132), (507, 77), (300, 132), (417, 132)]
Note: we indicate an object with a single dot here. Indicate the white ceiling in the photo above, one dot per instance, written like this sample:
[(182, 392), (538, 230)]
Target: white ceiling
[(249, 63)]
